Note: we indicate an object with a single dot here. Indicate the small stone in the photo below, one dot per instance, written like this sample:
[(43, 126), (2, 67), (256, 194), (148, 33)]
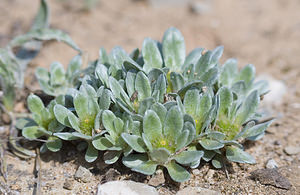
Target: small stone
[(125, 188), (157, 179), (111, 175), (277, 143), (271, 177), (197, 191), (196, 172), (291, 150), (271, 164), (69, 184), (209, 176), (200, 7), (83, 174)]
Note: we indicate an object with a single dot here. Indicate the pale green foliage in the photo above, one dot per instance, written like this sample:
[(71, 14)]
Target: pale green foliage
[(154, 108)]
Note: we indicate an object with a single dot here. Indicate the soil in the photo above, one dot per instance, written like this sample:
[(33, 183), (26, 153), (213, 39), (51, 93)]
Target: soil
[(265, 33)]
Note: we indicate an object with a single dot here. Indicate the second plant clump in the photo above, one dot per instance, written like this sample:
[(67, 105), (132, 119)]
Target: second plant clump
[(155, 107)]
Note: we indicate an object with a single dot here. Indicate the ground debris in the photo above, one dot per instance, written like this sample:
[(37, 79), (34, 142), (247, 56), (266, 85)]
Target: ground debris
[(271, 177)]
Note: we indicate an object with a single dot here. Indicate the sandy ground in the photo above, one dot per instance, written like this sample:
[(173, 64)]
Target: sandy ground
[(264, 33)]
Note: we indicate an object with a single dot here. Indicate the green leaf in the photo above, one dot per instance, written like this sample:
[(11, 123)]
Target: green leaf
[(146, 168), (160, 155), (177, 172), (228, 72), (216, 54), (211, 144), (226, 99), (145, 105), (135, 142), (134, 160), (81, 105), (54, 126), (21, 123), (248, 108), (82, 136), (187, 157), (110, 157), (102, 73), (57, 74), (142, 85), (118, 91), (208, 155), (61, 114), (74, 121), (91, 153), (247, 74), (118, 126), (173, 49), (203, 64), (151, 55), (177, 81), (193, 57), (182, 140), (54, 144), (35, 104), (217, 162), (102, 143), (152, 126), (257, 129), (173, 123), (44, 34), (130, 83), (65, 136), (190, 101), (108, 118), (103, 57), (210, 77), (147, 142), (74, 68), (160, 110), (104, 102), (32, 132), (42, 74), (41, 20), (235, 154)]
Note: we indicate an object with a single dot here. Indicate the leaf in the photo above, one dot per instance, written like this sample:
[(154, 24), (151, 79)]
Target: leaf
[(102, 143), (177, 81), (193, 57), (210, 77), (81, 105), (134, 160), (152, 126), (82, 136), (160, 155), (235, 154), (104, 102), (203, 64), (61, 114), (41, 20), (247, 74), (217, 162), (102, 73), (173, 49), (208, 155), (146, 168), (32, 132), (44, 34), (110, 157), (182, 140), (135, 142), (21, 123), (257, 129), (210, 144), (74, 68), (142, 85), (226, 99), (65, 136), (228, 72), (54, 144), (216, 54), (74, 121), (197, 84), (118, 91), (103, 57), (57, 74), (177, 172), (248, 108), (42, 74), (145, 105), (35, 104), (130, 83), (187, 157), (190, 101), (161, 88), (151, 55), (160, 110), (54, 126), (108, 118), (91, 153), (147, 142), (173, 123)]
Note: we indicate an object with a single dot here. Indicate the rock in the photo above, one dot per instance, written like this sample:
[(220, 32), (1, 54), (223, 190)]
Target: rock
[(277, 90), (157, 179), (292, 172), (200, 7), (271, 177), (125, 188), (196, 172), (83, 174), (197, 191), (69, 184), (292, 150), (111, 175), (169, 3), (209, 176), (271, 164)]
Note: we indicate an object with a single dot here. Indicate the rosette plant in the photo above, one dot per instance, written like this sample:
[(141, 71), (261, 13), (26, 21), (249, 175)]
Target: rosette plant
[(157, 107)]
